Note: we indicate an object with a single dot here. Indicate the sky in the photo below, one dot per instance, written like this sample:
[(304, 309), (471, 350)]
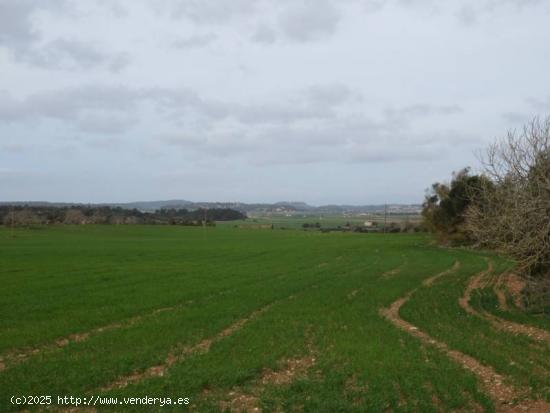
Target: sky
[(322, 101)]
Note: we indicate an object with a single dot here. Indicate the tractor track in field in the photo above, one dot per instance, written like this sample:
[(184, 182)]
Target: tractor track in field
[(397, 270), (428, 282), (503, 395), (392, 272), (482, 280), (246, 398), (508, 283), (179, 353), (514, 285), (238, 400), (15, 357)]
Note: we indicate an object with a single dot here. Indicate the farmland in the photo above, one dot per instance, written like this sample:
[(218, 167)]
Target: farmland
[(237, 319), (324, 220)]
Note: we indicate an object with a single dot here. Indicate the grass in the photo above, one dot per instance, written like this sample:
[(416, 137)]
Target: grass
[(324, 220), (320, 293), (485, 299), (436, 311)]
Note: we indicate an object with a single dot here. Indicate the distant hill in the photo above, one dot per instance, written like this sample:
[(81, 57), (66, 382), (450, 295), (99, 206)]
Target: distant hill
[(277, 208), (154, 205), (141, 205)]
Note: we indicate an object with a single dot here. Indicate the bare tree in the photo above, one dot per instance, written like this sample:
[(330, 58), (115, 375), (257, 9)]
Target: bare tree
[(74, 216), (512, 214), (21, 217)]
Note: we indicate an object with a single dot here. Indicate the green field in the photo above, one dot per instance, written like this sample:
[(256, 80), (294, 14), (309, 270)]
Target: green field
[(240, 318), (324, 220)]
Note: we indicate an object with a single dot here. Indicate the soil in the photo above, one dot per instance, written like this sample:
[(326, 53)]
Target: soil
[(479, 281), (515, 285), (15, 357), (180, 353), (504, 395), (428, 282), (352, 294), (240, 401), (392, 272)]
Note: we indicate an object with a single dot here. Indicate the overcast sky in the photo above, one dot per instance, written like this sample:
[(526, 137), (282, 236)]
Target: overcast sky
[(323, 101)]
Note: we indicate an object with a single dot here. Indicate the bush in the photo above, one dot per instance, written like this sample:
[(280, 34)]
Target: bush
[(445, 206)]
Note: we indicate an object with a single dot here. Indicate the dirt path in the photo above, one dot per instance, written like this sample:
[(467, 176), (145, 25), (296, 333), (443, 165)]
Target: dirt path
[(428, 282), (501, 297), (14, 357), (179, 353), (481, 281), (238, 400), (476, 282), (515, 285), (392, 272), (503, 395)]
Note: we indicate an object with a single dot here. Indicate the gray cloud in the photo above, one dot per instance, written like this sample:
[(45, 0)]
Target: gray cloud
[(300, 93), (196, 41), (19, 34), (539, 104), (331, 95), (206, 11), (9, 107), (422, 110), (106, 123), (16, 30), (117, 7), (99, 109), (302, 138), (304, 126), (113, 108), (467, 15), (534, 107), (312, 20), (19, 176), (264, 34), (308, 20), (516, 118), (298, 20), (470, 12), (314, 102), (311, 103), (73, 55)]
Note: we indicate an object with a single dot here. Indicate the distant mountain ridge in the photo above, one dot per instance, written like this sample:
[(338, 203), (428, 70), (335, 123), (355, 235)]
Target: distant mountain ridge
[(283, 207)]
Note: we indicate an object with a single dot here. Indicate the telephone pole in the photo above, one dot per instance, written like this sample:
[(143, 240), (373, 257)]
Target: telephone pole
[(12, 213), (204, 224), (385, 216)]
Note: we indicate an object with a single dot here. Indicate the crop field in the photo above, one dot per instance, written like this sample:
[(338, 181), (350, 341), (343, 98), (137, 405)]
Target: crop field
[(325, 221), (262, 320)]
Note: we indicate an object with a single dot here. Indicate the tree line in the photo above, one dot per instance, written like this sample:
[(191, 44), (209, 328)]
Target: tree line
[(505, 207), (25, 215)]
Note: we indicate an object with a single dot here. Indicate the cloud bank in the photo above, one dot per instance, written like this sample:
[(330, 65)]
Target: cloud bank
[(260, 100)]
